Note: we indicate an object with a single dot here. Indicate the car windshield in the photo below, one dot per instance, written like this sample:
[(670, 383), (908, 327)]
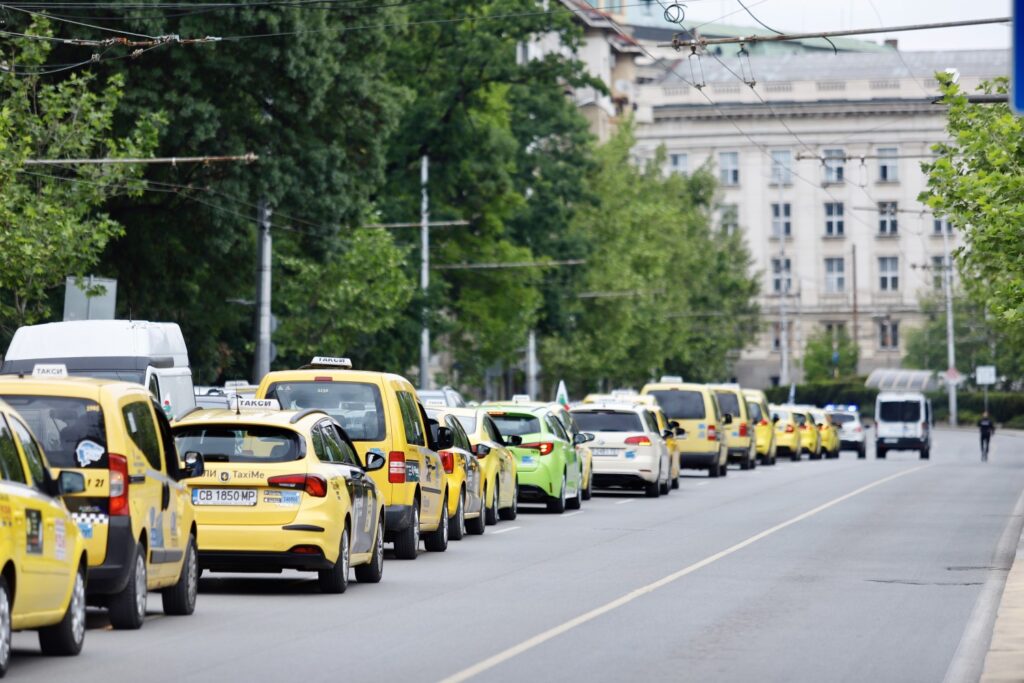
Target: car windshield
[(843, 418), (800, 418), (468, 423), (728, 402), (608, 421), (681, 405), (899, 411), (239, 443), (754, 409), (357, 406), (70, 430), (516, 424)]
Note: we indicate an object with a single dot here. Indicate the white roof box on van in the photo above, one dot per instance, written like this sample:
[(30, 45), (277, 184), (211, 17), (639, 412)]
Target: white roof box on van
[(160, 344)]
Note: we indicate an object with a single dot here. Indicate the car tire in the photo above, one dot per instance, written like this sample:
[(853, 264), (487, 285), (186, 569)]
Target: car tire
[(437, 540), (666, 488), (491, 511), (589, 491), (576, 502), (724, 469), (880, 453), (127, 609), (795, 456), (374, 571), (407, 541), (180, 599), (557, 505), (457, 524), (675, 482), (5, 626), (926, 454), (714, 471), (510, 513), (862, 452), (335, 580), (653, 489), (65, 639)]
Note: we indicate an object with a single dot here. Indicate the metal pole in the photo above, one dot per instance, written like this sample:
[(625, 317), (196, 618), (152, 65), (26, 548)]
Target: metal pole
[(531, 364), (947, 267), (424, 271), (784, 323), (856, 325), (261, 362)]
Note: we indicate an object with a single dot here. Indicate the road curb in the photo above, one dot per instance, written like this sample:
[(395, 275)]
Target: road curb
[(1005, 658)]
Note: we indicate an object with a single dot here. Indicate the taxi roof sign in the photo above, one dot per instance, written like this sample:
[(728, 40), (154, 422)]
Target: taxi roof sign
[(671, 379), (331, 362), (58, 370), (521, 398), (242, 403)]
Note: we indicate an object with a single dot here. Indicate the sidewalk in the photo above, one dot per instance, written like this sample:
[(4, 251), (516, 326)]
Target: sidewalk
[(1005, 659)]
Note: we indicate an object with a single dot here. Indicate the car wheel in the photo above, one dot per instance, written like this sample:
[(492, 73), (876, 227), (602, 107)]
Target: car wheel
[(335, 579), (558, 504), (5, 626), (880, 453), (66, 638), (180, 599), (795, 457), (510, 513), (862, 452), (437, 540), (407, 541), (372, 572), (457, 524), (666, 488), (724, 469), (714, 471), (926, 454), (491, 512), (745, 464), (589, 491), (576, 501), (653, 489), (128, 608), (675, 482)]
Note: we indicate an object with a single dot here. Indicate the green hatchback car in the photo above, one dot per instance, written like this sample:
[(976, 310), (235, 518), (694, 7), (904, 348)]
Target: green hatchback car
[(548, 468)]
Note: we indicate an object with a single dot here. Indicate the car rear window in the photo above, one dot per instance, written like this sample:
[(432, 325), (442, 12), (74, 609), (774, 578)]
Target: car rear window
[(239, 443), (899, 411), (516, 424), (608, 421), (783, 415), (754, 410), (728, 402), (357, 406), (70, 430), (681, 405), (842, 418)]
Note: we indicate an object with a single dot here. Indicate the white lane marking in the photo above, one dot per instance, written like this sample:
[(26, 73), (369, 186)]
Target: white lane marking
[(555, 631), (623, 502), (501, 531), (703, 483), (572, 514)]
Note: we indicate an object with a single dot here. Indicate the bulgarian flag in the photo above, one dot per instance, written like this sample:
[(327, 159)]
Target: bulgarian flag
[(562, 395)]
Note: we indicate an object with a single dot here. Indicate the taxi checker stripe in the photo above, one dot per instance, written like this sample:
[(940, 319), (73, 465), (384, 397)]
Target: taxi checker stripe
[(90, 517), (623, 600)]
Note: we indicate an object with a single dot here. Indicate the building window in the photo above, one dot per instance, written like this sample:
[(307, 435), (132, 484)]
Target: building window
[(887, 224), (729, 218), (888, 273), (834, 165), (938, 272), (781, 224), (940, 225), (678, 163), (835, 275), (777, 335), (782, 274), (888, 165), (729, 168), (835, 330), (782, 167), (888, 334), (834, 219)]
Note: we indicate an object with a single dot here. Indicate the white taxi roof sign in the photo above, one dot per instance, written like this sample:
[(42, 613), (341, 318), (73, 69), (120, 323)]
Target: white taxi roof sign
[(58, 370), (329, 361), (242, 403), (235, 383), (436, 403), (671, 379), (521, 398)]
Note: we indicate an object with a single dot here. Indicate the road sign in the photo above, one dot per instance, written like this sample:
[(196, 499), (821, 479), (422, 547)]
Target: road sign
[(985, 374), (953, 376), (1016, 86)]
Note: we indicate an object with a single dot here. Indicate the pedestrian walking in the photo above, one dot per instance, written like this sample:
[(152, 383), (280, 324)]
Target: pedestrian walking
[(987, 428)]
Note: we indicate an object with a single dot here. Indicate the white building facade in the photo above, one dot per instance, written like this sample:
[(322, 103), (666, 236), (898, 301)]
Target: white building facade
[(822, 180)]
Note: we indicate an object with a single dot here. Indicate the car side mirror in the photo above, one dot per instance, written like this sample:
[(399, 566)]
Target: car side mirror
[(582, 438), (679, 431), (512, 440), (195, 466), (375, 460), (481, 450), (668, 434), (70, 483), (727, 419), (775, 418), (445, 438)]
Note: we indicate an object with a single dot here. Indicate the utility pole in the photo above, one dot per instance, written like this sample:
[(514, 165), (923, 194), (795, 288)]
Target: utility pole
[(784, 275), (531, 365), (424, 271), (261, 362), (856, 326), (947, 271)]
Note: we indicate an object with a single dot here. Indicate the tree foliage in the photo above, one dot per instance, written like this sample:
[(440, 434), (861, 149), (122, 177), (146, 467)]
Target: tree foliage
[(821, 362)]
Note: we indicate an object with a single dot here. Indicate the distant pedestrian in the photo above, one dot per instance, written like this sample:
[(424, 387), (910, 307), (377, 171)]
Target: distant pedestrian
[(987, 428)]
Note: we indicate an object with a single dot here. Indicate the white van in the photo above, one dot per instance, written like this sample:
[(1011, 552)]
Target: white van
[(151, 354), (903, 422)]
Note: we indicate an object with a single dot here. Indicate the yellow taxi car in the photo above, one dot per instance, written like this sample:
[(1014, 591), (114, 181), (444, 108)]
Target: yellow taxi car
[(498, 464), (284, 490), (739, 436), (135, 514), (829, 433), (380, 411), (42, 554), (465, 483), (787, 434), (810, 437), (695, 409), (764, 428)]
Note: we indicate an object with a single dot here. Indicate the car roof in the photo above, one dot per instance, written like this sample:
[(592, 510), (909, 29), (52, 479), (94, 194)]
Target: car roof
[(680, 386), (620, 406), (531, 408), (336, 375), (72, 387), (273, 418)]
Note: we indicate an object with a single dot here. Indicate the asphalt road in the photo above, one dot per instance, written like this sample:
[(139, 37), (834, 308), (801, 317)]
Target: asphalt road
[(819, 571)]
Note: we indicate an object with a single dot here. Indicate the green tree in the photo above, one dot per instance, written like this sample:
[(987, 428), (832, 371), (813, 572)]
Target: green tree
[(820, 361), (51, 222)]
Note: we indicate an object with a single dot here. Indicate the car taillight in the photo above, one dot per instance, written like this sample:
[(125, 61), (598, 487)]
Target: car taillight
[(712, 433), (396, 467), (322, 379), (638, 441), (313, 484), (762, 423), (858, 429), (118, 485), (743, 429), (545, 447), (448, 461), (822, 427), (305, 550), (789, 429), (803, 428)]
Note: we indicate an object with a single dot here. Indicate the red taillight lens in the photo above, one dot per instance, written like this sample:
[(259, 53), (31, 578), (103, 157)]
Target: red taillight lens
[(118, 485), (305, 550), (545, 447), (322, 379), (858, 429), (762, 423), (313, 484), (789, 429), (743, 429), (803, 427), (712, 433), (448, 461), (638, 441), (396, 467)]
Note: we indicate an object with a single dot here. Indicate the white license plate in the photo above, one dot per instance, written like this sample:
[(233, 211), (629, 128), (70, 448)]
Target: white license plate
[(891, 440), (232, 497), (606, 451)]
